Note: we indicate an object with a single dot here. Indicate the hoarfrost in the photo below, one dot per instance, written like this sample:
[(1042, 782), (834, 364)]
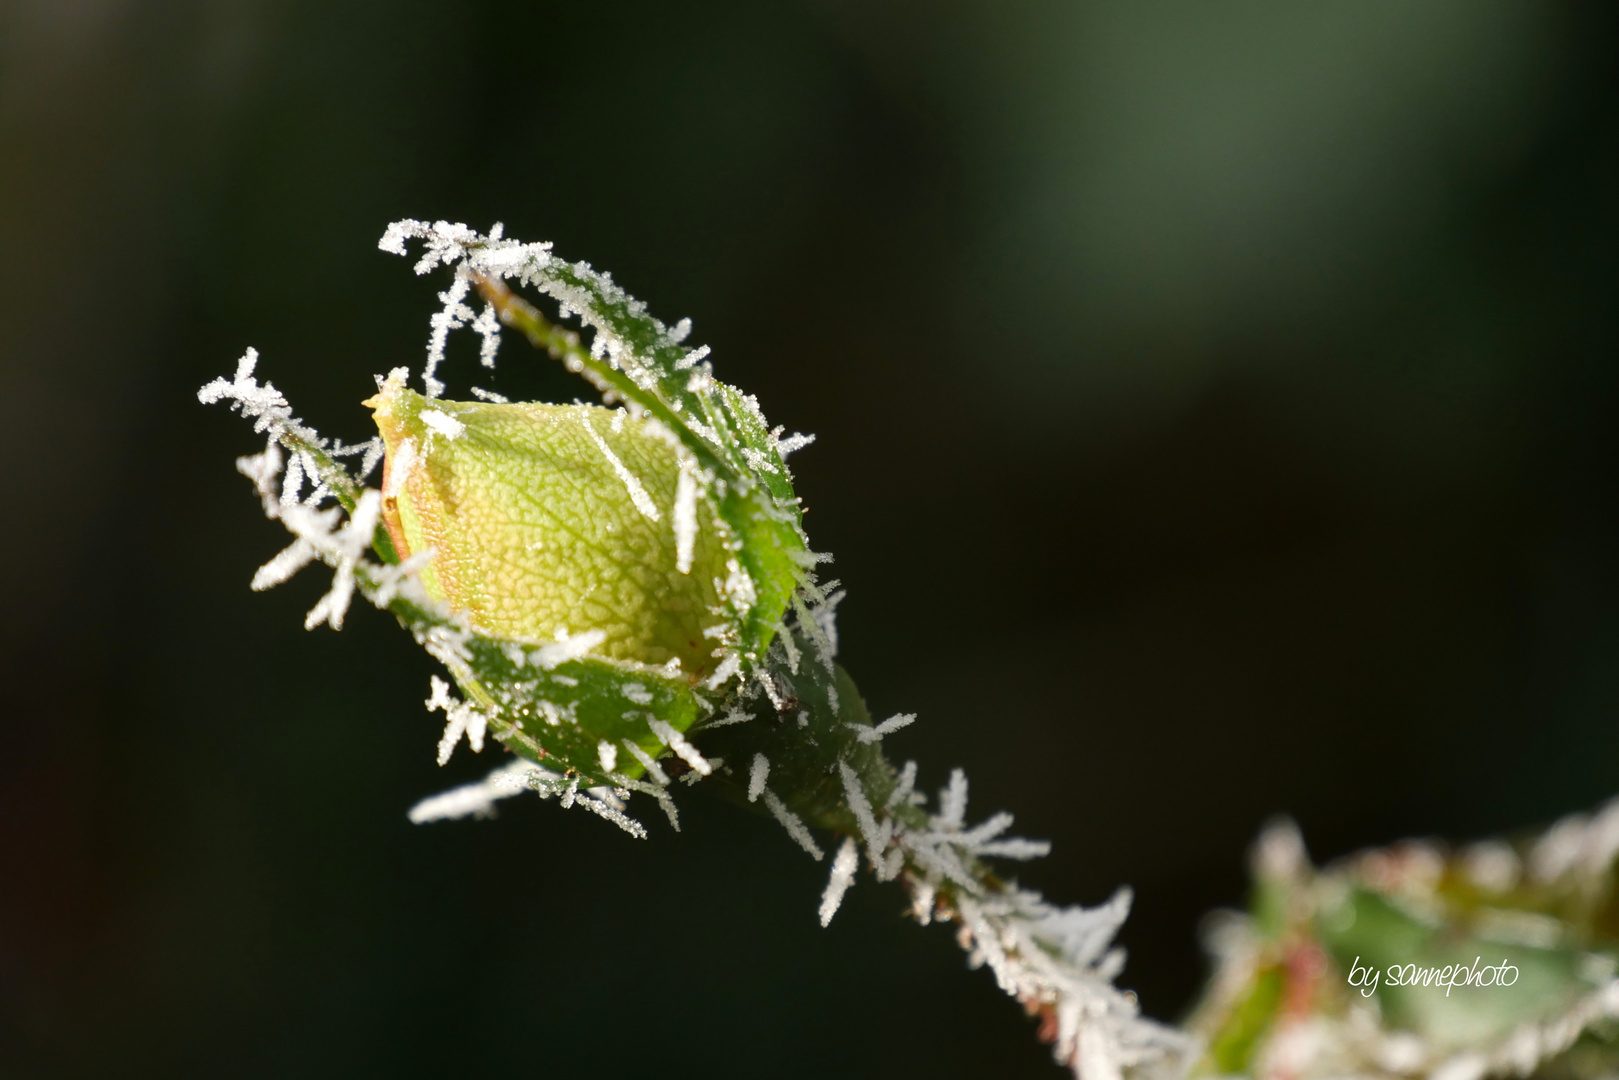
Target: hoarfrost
[(399, 469), (876, 836), (643, 502), (342, 549), (652, 768), (684, 516), (793, 442), (901, 795), (461, 717), (887, 727), (487, 326), (790, 821), (729, 666), (953, 800), (675, 741), (737, 715), (567, 648), (454, 314), (757, 776), (844, 866), (477, 800), (443, 423), (291, 560)]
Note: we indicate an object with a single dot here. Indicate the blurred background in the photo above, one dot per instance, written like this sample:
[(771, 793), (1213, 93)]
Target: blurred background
[(1218, 417)]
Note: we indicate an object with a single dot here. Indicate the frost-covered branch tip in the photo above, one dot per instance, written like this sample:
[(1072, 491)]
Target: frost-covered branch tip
[(498, 529)]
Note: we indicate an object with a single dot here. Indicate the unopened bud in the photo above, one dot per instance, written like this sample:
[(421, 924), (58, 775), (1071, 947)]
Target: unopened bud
[(546, 521)]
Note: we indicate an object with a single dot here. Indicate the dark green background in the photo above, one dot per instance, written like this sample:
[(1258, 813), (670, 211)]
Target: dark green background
[(1217, 417)]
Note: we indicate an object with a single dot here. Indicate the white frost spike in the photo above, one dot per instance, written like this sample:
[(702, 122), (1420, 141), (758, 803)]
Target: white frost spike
[(293, 558), (613, 814), (876, 839), (922, 895), (1017, 849), (375, 451), (690, 360), (887, 727), (795, 828), (684, 750), (653, 769), (757, 776), (953, 801), (723, 673), (399, 469), (342, 550), (685, 519), (454, 314), (460, 717), (568, 648), (643, 502), (607, 754), (793, 442), (264, 404), (443, 423), (262, 469), (907, 784), (477, 800), (843, 868), (986, 830), (735, 716), (293, 482), (487, 325)]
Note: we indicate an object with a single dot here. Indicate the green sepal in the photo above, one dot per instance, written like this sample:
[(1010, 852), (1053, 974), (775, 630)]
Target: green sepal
[(722, 429), (558, 717), (592, 698)]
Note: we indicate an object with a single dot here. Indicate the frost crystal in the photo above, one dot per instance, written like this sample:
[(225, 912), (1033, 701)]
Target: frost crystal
[(685, 519), (675, 741), (478, 800), (887, 727), (460, 718), (443, 423), (1057, 961), (843, 868), (567, 648), (643, 502), (757, 776), (794, 826)]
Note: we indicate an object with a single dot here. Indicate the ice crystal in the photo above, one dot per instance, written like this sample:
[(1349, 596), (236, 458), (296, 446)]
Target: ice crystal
[(478, 800), (675, 741), (844, 865), (757, 776), (793, 824), (887, 727)]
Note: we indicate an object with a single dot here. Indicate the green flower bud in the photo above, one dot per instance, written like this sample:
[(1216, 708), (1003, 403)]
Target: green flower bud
[(549, 520)]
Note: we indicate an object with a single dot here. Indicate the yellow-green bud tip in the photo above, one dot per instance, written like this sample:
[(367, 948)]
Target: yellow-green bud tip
[(547, 520)]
